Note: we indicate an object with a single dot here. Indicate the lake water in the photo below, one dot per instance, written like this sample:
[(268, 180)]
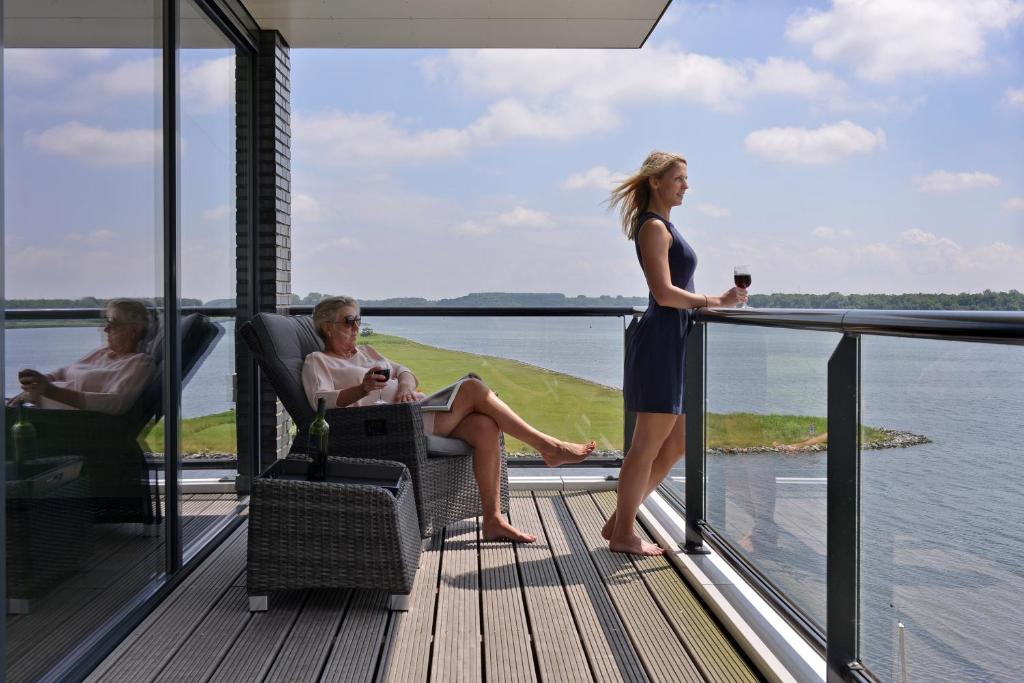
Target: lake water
[(942, 532)]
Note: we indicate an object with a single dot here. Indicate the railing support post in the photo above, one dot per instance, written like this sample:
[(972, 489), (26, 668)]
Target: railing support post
[(842, 612), (696, 436), (628, 417)]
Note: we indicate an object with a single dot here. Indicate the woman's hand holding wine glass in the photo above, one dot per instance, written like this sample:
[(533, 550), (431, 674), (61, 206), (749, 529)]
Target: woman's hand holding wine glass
[(383, 373), (741, 276), (374, 380)]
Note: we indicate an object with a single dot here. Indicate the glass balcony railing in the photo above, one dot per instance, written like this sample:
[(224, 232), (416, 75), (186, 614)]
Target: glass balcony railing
[(876, 502)]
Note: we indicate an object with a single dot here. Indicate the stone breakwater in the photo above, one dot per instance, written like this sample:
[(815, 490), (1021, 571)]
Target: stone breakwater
[(889, 439)]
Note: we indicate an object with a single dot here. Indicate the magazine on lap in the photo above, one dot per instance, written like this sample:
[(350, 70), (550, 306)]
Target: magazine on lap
[(441, 400)]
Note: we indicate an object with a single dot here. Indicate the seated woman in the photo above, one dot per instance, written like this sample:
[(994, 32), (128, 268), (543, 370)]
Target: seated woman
[(107, 380), (345, 375)]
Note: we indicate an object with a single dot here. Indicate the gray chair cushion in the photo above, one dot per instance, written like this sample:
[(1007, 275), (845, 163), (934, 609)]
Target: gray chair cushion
[(443, 447)]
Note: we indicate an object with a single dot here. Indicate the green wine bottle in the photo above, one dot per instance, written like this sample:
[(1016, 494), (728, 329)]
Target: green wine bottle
[(23, 438), (319, 431)]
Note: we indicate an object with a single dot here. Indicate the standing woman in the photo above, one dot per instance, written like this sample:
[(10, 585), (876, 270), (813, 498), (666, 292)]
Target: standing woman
[(653, 386)]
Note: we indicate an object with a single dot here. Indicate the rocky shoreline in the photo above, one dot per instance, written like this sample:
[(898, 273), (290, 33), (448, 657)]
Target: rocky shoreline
[(890, 439)]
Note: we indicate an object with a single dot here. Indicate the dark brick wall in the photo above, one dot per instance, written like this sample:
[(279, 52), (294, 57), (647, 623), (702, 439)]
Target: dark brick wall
[(270, 150)]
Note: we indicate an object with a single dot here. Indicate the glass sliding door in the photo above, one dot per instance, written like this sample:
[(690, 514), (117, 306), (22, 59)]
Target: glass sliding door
[(83, 242), (207, 224)]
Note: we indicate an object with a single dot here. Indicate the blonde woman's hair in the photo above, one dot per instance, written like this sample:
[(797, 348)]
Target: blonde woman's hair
[(134, 311), (633, 195), (327, 308)]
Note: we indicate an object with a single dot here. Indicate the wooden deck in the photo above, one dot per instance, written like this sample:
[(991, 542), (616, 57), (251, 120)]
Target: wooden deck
[(562, 609), (120, 562)]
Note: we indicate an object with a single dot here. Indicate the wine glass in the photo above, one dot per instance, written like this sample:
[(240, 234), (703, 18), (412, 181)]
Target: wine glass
[(384, 370), (741, 276)]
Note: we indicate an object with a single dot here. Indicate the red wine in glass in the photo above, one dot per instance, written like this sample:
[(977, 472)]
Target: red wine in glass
[(741, 276), (384, 372)]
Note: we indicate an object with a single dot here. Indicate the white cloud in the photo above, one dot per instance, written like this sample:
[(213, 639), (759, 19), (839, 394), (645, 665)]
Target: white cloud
[(824, 145), (596, 178), (99, 146), (913, 261), (218, 213), (714, 211), (1014, 204), (945, 181), (127, 79), (825, 232), (518, 218), (556, 95), (884, 39), (1014, 97), (307, 208), (94, 237), (341, 243), (354, 139), (41, 66), (209, 85)]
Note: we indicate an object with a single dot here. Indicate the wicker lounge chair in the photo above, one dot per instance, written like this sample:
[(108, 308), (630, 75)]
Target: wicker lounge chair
[(120, 489), (441, 468)]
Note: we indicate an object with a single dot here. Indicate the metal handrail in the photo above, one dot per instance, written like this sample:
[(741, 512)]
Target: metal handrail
[(1000, 327)]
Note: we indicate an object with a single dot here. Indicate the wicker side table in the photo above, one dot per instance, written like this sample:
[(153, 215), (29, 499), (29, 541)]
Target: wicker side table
[(48, 526), (357, 529)]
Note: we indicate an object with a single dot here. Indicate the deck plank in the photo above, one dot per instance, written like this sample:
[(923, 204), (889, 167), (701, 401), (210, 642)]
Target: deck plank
[(559, 649), (146, 651), (664, 657), (456, 651), (210, 641), (357, 649), (254, 651), (563, 609), (508, 657), (309, 642), (711, 649), (609, 650), (409, 658)]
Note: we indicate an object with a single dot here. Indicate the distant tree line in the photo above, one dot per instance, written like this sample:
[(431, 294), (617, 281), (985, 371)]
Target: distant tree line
[(87, 302), (988, 300)]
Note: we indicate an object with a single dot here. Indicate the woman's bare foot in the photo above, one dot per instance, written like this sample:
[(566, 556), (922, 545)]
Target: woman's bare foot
[(606, 530), (563, 452), (634, 545), (500, 530)]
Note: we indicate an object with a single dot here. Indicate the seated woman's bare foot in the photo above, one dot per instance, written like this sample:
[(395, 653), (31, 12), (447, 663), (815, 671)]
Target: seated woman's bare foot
[(606, 530), (501, 530), (563, 452), (634, 545)]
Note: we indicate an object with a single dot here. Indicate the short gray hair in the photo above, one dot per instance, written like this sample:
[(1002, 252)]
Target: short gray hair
[(328, 307), (136, 313)]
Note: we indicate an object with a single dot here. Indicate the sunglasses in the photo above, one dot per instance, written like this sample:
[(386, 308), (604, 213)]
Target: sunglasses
[(349, 321)]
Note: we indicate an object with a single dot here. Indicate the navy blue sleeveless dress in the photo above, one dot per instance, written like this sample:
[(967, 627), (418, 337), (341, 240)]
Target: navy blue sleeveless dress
[(655, 355)]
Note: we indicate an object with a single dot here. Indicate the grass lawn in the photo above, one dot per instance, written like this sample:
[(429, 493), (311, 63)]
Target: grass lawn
[(567, 407)]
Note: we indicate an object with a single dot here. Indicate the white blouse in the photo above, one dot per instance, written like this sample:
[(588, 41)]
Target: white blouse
[(324, 376), (108, 384)]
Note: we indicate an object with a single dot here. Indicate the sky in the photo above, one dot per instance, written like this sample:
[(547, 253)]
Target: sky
[(853, 146)]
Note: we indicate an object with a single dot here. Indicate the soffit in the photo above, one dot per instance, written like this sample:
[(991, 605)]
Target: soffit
[(460, 23), (346, 23)]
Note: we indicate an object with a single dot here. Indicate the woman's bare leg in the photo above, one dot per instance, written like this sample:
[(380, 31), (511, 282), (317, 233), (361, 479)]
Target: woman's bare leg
[(475, 397), (481, 432), (672, 451), (650, 434)]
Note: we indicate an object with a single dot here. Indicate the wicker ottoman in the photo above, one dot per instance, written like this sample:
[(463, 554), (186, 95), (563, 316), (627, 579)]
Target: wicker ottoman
[(358, 529)]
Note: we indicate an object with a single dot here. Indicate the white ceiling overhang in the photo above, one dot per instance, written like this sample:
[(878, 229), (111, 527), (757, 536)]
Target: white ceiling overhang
[(350, 23), (460, 23)]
